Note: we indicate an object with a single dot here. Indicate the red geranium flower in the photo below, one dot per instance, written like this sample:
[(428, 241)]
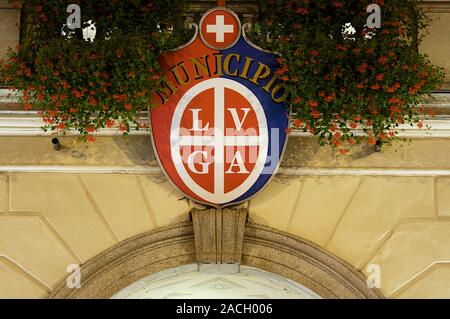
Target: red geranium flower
[(362, 68), (298, 123), (110, 123), (315, 114), (383, 60), (120, 53), (302, 11), (313, 103), (92, 101), (131, 74), (122, 127)]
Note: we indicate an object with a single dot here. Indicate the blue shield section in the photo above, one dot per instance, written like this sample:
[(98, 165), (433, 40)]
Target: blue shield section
[(276, 113)]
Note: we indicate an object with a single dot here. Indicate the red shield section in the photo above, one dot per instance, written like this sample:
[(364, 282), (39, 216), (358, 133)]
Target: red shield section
[(217, 113)]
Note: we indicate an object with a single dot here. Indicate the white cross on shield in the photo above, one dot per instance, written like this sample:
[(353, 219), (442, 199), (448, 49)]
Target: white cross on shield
[(196, 137)]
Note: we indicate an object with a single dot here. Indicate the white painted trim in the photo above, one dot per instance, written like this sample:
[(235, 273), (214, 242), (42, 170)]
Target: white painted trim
[(29, 123), (22, 123), (308, 171), (9, 96), (439, 127), (80, 169)]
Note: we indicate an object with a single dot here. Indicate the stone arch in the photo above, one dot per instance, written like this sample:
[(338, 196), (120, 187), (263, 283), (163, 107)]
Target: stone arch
[(263, 247)]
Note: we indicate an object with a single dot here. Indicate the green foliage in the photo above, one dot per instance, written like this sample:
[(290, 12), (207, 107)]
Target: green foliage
[(84, 85), (338, 83)]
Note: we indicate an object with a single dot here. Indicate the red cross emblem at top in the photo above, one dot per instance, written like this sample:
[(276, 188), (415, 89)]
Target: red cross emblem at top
[(220, 28)]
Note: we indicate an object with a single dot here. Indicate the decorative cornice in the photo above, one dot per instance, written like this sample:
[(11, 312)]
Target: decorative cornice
[(284, 171), (29, 123), (435, 6)]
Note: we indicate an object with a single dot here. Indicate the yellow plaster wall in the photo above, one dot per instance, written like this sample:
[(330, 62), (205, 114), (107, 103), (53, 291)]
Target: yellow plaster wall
[(9, 28), (398, 223), (436, 41), (52, 220), (49, 221)]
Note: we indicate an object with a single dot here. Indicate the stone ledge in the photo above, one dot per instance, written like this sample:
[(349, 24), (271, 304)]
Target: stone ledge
[(134, 155)]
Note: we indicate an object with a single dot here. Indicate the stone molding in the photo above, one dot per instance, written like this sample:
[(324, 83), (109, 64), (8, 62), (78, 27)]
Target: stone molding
[(264, 248), (304, 262), (130, 260), (219, 235)]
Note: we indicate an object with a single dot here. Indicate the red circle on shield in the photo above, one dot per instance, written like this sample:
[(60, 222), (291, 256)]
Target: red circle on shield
[(219, 140), (220, 29)]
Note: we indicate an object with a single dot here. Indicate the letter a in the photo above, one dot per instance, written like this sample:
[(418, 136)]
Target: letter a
[(239, 162), (74, 279), (374, 20), (74, 20)]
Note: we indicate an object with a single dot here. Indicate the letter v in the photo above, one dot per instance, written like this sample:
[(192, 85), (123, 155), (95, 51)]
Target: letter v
[(237, 121)]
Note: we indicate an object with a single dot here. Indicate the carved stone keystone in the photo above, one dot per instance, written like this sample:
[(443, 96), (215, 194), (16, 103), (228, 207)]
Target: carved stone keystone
[(219, 234)]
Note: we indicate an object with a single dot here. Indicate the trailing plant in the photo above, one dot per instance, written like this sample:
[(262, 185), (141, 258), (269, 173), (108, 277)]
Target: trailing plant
[(87, 85), (346, 88), (350, 84)]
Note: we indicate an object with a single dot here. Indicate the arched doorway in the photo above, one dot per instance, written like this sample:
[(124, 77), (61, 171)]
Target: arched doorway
[(189, 282), (265, 251)]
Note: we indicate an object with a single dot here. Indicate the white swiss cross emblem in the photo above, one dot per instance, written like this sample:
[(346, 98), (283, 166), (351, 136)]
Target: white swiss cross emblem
[(220, 28)]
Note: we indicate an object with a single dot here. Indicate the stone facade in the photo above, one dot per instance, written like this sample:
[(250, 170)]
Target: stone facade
[(390, 208), (82, 203)]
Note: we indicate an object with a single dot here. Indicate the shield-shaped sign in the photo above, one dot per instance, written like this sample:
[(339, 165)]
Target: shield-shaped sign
[(219, 127)]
